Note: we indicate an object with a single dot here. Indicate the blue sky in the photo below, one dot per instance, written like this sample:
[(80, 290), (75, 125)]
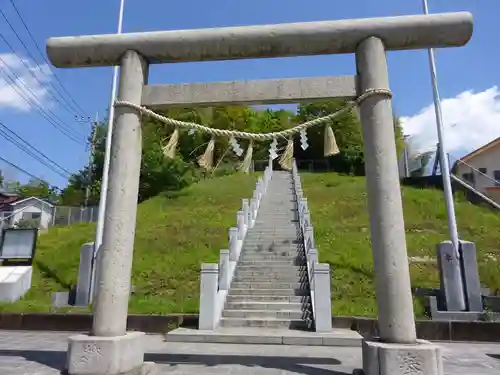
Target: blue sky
[(464, 73)]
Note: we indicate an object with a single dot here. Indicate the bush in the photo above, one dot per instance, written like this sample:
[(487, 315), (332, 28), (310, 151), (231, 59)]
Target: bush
[(27, 223)]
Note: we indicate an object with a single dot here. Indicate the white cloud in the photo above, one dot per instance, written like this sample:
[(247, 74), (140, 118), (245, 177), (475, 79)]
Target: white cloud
[(470, 121), (23, 72)]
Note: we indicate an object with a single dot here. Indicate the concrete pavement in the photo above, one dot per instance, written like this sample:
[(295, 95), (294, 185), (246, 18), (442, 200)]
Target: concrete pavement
[(43, 353)]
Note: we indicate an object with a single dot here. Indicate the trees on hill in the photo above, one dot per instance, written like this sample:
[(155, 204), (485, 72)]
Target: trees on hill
[(33, 188), (159, 173)]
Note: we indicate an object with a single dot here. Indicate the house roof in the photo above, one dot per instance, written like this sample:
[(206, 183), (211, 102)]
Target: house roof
[(28, 198), (7, 199), (480, 150)]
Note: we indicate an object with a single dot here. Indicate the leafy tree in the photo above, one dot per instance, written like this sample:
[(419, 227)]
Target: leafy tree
[(347, 130), (38, 189), (159, 173)]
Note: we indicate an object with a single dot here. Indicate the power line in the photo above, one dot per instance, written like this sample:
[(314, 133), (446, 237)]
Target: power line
[(43, 56), (26, 172), (31, 150), (77, 108), (32, 154), (36, 104), (64, 105), (42, 112)]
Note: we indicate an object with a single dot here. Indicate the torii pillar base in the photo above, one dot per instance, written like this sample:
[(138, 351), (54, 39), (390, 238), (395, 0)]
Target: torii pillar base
[(118, 355), (381, 358)]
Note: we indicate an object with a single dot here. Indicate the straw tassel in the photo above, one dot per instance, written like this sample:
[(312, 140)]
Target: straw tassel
[(247, 161), (169, 149), (207, 159), (287, 157), (331, 147)]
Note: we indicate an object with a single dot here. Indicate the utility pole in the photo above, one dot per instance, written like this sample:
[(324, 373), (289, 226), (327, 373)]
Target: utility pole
[(93, 127), (91, 158)]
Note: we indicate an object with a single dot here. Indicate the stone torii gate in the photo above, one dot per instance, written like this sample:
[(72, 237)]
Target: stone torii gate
[(109, 348)]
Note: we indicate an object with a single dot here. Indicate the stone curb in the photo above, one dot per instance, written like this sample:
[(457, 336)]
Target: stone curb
[(367, 327)]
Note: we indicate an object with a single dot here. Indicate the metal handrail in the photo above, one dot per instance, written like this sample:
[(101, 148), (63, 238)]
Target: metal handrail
[(495, 182)]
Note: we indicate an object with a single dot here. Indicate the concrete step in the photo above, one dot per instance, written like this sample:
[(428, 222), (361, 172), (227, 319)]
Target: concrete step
[(271, 240), (268, 285), (267, 255), (278, 225), (271, 263), (265, 323), (267, 298), (271, 258), (263, 336), (268, 292), (283, 251), (267, 269), (267, 314), (271, 278), (273, 248), (266, 305)]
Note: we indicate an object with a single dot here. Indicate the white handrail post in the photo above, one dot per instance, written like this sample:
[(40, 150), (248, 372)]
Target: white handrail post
[(233, 243), (309, 236), (253, 212), (224, 275), (246, 212), (240, 220)]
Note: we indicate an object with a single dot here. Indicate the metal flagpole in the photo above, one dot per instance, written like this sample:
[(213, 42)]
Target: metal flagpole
[(109, 134), (107, 155), (443, 160)]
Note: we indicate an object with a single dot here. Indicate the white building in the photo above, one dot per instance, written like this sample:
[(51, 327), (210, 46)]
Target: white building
[(481, 169), (14, 209)]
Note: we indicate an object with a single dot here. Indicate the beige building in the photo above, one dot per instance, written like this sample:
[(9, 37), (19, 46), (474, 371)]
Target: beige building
[(481, 169)]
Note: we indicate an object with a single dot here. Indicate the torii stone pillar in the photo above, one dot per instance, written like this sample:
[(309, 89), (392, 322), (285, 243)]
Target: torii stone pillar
[(112, 351)]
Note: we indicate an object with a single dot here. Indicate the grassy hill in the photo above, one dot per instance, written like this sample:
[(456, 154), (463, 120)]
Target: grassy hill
[(177, 232)]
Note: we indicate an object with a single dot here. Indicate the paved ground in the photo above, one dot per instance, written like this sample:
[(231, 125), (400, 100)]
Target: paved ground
[(43, 353)]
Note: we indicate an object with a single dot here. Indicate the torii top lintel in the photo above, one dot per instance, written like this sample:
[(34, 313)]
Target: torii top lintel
[(261, 41)]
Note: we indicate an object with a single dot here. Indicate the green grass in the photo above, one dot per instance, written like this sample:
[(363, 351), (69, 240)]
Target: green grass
[(177, 232)]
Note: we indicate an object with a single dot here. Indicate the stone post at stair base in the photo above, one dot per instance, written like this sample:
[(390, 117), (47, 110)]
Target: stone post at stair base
[(208, 294), (322, 298), (83, 285), (400, 353), (111, 350)]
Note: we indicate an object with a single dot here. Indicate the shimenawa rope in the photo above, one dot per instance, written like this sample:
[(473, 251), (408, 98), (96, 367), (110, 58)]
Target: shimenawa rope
[(206, 159)]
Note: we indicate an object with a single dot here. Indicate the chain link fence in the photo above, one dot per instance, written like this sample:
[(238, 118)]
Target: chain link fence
[(64, 215)]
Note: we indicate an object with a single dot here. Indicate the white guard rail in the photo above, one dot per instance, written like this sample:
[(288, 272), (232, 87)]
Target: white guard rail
[(215, 279), (318, 274)]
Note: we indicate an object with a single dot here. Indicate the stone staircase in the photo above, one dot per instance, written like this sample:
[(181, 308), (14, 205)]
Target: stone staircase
[(259, 292), (270, 286)]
